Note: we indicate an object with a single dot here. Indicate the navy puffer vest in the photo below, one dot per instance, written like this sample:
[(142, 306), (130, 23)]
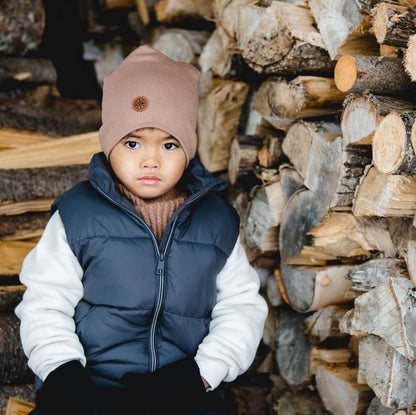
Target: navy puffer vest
[(145, 304)]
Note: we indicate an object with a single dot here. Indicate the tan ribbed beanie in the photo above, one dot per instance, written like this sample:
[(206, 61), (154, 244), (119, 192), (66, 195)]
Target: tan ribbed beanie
[(150, 89)]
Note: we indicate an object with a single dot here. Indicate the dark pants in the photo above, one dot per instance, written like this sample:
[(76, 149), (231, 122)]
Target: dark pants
[(112, 401)]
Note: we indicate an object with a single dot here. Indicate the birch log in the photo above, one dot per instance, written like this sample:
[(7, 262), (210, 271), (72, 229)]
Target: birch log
[(218, 118), (362, 115), (361, 73), (388, 312), (384, 195), (393, 149), (393, 24), (344, 28), (281, 38), (389, 374)]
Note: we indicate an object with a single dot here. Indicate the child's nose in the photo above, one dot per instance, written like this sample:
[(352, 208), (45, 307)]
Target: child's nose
[(151, 159)]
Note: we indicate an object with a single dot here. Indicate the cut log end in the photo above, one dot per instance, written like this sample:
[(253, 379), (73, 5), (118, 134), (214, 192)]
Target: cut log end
[(380, 19), (345, 73), (410, 58), (389, 144)]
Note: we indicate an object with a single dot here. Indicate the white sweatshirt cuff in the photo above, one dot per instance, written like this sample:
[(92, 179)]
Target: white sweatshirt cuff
[(212, 371)]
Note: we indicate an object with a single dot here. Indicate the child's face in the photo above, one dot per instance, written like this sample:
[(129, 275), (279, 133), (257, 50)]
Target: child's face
[(148, 162)]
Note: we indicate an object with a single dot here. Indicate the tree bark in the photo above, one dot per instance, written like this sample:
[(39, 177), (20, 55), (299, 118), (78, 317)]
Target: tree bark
[(281, 39), (343, 27), (361, 73), (385, 195), (10, 226), (389, 374), (362, 115), (376, 272), (14, 369), (10, 297), (393, 24), (26, 392), (340, 392), (219, 113), (21, 26), (393, 144)]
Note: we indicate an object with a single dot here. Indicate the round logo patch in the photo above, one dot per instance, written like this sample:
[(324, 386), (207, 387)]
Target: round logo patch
[(140, 103)]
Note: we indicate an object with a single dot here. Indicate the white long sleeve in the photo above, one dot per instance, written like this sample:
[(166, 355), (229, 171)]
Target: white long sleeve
[(237, 322), (52, 275)]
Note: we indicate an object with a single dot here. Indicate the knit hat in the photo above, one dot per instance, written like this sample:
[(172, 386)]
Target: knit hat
[(150, 89)]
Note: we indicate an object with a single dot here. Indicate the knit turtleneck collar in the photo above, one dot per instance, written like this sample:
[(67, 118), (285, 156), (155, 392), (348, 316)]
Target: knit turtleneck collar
[(157, 211)]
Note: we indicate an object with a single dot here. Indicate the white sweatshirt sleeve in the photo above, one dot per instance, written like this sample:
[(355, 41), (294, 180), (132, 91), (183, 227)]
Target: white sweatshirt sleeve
[(237, 323), (52, 275)]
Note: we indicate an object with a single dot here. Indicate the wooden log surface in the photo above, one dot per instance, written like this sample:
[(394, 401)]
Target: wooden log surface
[(14, 369), (377, 408), (304, 97), (343, 27), (218, 117), (10, 297), (387, 311), (12, 255), (281, 38), (385, 195), (393, 150), (340, 392), (410, 58), (362, 115), (26, 222), (22, 23), (361, 73), (12, 138), (393, 24), (23, 391), (173, 11)]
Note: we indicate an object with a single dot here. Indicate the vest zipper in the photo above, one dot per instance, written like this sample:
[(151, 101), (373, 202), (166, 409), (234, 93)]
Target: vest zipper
[(160, 269)]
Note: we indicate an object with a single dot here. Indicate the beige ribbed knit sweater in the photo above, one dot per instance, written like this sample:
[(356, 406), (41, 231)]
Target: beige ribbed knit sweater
[(156, 212)]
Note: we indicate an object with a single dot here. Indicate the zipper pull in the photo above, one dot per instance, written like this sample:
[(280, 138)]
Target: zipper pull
[(161, 264)]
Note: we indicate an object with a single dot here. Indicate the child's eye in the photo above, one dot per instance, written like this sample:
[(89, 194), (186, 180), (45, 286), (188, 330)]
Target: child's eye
[(170, 146), (132, 144)]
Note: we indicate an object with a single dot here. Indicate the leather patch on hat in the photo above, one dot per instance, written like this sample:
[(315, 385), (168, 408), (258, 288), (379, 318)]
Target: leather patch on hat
[(140, 103)]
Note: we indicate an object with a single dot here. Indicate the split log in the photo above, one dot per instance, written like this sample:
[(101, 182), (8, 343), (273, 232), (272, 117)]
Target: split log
[(340, 392), (26, 392), (410, 258), (33, 183), (173, 11), (410, 58), (181, 45), (324, 324), (281, 39), (343, 27), (27, 222), (393, 24), (389, 374), (385, 195), (270, 329), (10, 297), (388, 312), (12, 255), (263, 218), (362, 115), (38, 205), (16, 406), (332, 357), (16, 71), (307, 288), (219, 113), (14, 369), (334, 169), (22, 23), (271, 154), (243, 156), (11, 138), (376, 272), (298, 141), (290, 180), (360, 73), (393, 144), (294, 352), (63, 152), (342, 234), (303, 97)]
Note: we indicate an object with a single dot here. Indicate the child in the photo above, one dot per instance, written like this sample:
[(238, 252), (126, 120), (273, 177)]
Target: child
[(140, 298)]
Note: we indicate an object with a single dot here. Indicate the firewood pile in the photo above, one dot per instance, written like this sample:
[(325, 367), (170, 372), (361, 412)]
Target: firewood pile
[(308, 109)]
